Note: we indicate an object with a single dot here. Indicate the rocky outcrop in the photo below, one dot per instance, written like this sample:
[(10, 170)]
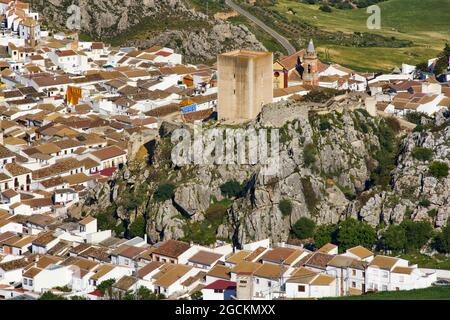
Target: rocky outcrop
[(326, 163), (143, 23)]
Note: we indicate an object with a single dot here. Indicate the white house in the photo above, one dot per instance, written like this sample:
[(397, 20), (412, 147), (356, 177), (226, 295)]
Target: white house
[(41, 280), (11, 271), (388, 273), (219, 290), (305, 283)]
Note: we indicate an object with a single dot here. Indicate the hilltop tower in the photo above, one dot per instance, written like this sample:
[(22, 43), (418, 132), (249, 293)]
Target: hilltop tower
[(311, 66), (245, 84)]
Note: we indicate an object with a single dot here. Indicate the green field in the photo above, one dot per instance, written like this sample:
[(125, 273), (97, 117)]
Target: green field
[(424, 22), (432, 293)]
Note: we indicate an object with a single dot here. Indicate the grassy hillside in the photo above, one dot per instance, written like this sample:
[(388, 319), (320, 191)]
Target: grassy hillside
[(432, 293), (424, 22)]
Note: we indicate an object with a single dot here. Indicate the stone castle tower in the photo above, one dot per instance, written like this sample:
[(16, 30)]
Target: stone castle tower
[(311, 65)]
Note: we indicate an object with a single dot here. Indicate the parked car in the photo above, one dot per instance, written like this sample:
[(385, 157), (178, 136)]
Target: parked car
[(442, 283)]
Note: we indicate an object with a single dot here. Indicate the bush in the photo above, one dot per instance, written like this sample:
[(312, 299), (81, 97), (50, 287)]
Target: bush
[(231, 189), (215, 213), (309, 154), (432, 213), (105, 287), (394, 239), (442, 240), (414, 117), (138, 227), (51, 296), (352, 233), (324, 125), (438, 169), (417, 233), (325, 8), (310, 195), (324, 234), (285, 207), (197, 295), (424, 203), (164, 192), (303, 228), (422, 154)]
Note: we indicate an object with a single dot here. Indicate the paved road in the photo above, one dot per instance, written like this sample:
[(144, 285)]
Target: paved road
[(282, 40)]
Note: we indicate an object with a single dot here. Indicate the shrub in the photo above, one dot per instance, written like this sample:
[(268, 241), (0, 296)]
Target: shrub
[(325, 234), (137, 228), (231, 189), (164, 192), (417, 233), (352, 233), (432, 213), (325, 8), (215, 213), (394, 238), (285, 207), (442, 240), (422, 154), (51, 296), (197, 295), (424, 203), (438, 169), (309, 154), (324, 125), (304, 228), (414, 117), (310, 195)]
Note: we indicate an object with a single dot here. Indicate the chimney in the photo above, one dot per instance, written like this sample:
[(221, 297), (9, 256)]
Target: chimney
[(145, 238)]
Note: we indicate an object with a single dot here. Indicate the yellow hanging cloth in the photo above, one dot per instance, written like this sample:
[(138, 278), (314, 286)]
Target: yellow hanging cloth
[(73, 95)]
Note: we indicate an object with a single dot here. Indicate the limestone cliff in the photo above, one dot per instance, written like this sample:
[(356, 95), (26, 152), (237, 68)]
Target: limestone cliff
[(329, 166)]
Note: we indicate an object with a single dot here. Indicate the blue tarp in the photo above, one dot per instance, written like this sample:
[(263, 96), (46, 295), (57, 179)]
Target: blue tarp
[(190, 108)]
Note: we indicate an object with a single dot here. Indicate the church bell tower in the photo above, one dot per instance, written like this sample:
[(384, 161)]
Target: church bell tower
[(311, 66)]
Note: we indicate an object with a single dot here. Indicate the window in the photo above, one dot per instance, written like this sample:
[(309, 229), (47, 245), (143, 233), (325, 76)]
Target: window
[(301, 289), (384, 287), (257, 281), (354, 284), (30, 282), (25, 281), (269, 284), (354, 273), (218, 291), (243, 282), (385, 274)]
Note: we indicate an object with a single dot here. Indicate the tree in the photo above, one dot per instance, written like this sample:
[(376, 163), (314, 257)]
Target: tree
[(417, 233), (393, 239), (352, 233), (442, 240), (51, 296), (197, 295), (438, 169), (105, 287), (422, 154), (137, 228), (304, 228), (164, 192), (231, 189), (442, 62), (285, 207), (325, 234)]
